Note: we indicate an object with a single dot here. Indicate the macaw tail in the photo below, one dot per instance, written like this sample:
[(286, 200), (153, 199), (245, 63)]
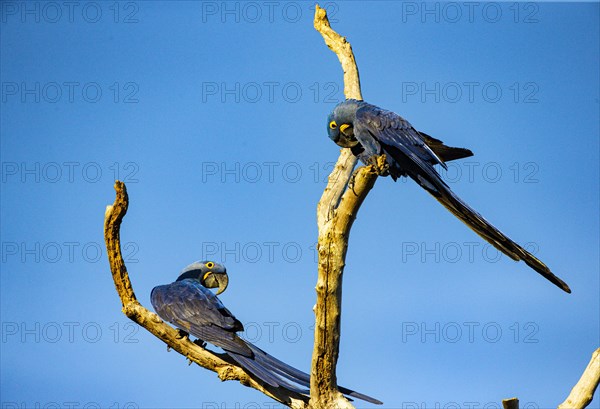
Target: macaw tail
[(438, 189), (277, 374), (446, 153)]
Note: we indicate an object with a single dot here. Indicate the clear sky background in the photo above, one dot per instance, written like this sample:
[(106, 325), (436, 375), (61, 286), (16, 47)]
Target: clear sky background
[(214, 115)]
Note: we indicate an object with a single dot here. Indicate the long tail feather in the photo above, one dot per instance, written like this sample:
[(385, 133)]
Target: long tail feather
[(300, 377), (252, 366), (276, 373), (486, 230), (447, 153)]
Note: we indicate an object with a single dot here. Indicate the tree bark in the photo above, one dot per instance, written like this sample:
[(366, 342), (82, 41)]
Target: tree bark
[(336, 212), (583, 392)]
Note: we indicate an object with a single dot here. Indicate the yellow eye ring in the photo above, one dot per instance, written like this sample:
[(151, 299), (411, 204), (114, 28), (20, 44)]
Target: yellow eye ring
[(332, 125), (210, 264)]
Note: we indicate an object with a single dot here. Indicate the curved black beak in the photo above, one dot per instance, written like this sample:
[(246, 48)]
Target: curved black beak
[(346, 138), (214, 279), (347, 130), (223, 280)]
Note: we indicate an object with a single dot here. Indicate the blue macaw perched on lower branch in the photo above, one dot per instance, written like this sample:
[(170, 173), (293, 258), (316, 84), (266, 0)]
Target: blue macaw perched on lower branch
[(370, 131), (188, 304)]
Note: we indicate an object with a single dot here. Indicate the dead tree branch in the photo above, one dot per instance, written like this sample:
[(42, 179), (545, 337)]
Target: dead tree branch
[(511, 403), (225, 368), (583, 392), (336, 212)]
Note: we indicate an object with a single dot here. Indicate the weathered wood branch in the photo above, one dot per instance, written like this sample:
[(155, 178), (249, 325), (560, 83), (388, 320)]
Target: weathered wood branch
[(330, 199), (511, 403), (583, 392), (225, 368), (336, 212), (343, 50)]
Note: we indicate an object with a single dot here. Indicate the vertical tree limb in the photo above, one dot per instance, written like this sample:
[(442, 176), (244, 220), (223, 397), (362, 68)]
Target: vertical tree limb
[(225, 368), (343, 50), (583, 392), (511, 403), (336, 212)]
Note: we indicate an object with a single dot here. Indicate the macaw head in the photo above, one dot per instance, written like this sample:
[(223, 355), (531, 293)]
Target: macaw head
[(209, 273), (340, 124)]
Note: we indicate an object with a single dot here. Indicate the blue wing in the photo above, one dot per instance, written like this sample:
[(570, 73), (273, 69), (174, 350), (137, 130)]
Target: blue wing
[(380, 131), (195, 309)]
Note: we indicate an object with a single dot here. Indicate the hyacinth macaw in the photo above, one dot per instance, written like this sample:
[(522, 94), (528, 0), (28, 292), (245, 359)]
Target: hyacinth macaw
[(188, 304), (370, 131)]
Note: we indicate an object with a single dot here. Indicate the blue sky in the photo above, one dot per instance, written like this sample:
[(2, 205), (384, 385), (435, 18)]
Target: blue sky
[(214, 115)]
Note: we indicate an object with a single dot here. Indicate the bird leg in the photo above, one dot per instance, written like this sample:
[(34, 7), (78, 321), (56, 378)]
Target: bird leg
[(200, 343), (379, 164), (182, 333)]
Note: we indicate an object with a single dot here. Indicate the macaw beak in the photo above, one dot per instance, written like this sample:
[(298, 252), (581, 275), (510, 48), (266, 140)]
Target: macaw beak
[(346, 137), (223, 280), (344, 128), (212, 279)]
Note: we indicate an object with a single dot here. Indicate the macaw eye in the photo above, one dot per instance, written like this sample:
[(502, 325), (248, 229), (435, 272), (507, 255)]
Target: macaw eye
[(210, 264), (332, 125)]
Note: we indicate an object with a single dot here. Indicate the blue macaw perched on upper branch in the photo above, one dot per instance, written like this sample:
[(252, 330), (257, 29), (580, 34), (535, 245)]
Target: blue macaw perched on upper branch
[(193, 308), (370, 131)]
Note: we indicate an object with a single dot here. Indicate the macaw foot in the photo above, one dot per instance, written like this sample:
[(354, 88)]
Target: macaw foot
[(379, 164), (182, 334), (200, 343)]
